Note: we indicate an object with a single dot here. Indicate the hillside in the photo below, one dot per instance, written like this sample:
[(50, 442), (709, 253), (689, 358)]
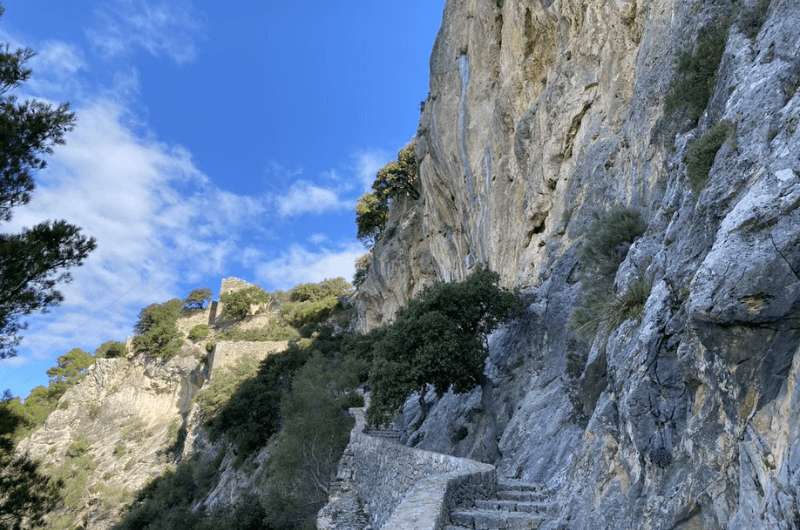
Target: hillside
[(578, 308)]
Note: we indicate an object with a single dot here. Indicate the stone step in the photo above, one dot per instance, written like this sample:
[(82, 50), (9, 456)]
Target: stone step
[(508, 495), (514, 505), (517, 485), (494, 519)]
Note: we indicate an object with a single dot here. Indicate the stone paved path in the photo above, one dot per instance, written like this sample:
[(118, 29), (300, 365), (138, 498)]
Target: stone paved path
[(517, 505)]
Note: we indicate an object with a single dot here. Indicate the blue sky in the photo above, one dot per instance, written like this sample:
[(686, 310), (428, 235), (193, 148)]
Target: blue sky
[(211, 141)]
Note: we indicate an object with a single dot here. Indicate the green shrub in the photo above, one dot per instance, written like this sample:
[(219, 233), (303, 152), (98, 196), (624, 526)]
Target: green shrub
[(236, 304), (252, 414), (371, 216), (313, 292), (606, 310), (607, 240), (157, 330), (397, 178), (299, 314), (696, 74), (199, 332), (605, 245), (701, 154), (438, 339), (314, 422), (111, 349), (752, 19), (166, 503)]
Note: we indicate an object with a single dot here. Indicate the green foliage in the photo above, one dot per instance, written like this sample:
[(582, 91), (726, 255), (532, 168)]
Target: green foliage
[(606, 243), (27, 492), (157, 330), (752, 19), (371, 216), (395, 179), (166, 503), (70, 367), (74, 472), (197, 299), (276, 330), (34, 261), (362, 269), (199, 332), (224, 384), (299, 314), (438, 339), (607, 310), (696, 74), (701, 153), (315, 432), (607, 240), (236, 304), (313, 292), (111, 349)]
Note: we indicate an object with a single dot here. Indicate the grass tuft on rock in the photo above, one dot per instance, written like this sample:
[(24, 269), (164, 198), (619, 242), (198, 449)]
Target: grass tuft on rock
[(702, 152)]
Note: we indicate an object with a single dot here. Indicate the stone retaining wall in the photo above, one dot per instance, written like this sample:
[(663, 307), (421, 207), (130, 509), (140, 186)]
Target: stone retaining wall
[(228, 352), (399, 487)]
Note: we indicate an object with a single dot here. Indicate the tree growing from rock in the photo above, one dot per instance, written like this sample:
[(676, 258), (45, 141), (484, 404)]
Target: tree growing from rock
[(395, 179), (437, 340), (34, 261)]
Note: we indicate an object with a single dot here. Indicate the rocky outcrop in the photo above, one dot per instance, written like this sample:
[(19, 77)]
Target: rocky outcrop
[(116, 430), (539, 115)]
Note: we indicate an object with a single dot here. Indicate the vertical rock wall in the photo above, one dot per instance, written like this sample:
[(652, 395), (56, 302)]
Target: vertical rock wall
[(543, 112)]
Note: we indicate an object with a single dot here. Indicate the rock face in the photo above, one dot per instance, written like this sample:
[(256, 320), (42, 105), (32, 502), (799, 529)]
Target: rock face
[(541, 113), (127, 415)]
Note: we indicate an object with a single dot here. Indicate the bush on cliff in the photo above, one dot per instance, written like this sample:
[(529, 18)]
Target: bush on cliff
[(236, 305), (438, 339), (110, 350), (157, 330), (696, 74), (396, 179), (606, 244), (701, 154), (199, 332)]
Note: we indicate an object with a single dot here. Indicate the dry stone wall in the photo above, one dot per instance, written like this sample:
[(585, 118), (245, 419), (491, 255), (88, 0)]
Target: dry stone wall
[(384, 484)]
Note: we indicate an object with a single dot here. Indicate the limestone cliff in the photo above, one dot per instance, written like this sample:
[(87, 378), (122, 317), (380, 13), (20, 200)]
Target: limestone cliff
[(542, 113)]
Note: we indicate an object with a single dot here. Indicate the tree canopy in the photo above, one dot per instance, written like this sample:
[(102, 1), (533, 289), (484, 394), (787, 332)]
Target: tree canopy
[(157, 330), (34, 261), (197, 299), (396, 179), (438, 339)]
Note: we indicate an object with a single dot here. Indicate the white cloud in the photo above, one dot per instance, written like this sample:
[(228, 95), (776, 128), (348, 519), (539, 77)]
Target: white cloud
[(368, 162), (158, 220), (160, 28), (318, 238), (305, 197), (298, 265)]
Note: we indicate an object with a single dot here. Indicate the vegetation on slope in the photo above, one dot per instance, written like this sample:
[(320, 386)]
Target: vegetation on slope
[(605, 245), (396, 179)]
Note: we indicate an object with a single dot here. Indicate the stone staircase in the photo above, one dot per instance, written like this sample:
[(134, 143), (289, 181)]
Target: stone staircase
[(387, 434), (517, 505)]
